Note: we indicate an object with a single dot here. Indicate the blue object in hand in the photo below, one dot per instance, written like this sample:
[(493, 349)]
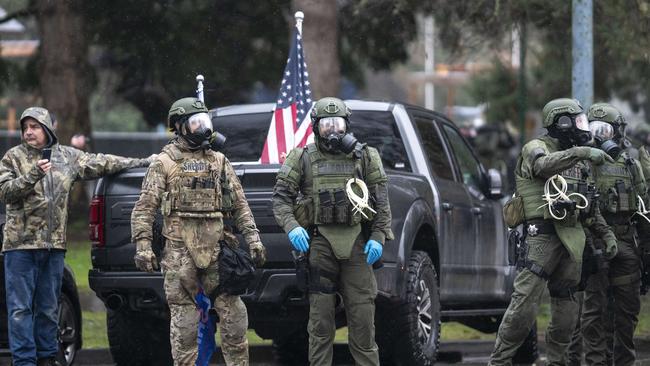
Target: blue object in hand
[(373, 251), (299, 239)]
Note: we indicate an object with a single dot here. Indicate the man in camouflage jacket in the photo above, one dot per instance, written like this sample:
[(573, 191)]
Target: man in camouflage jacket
[(35, 192), (195, 188)]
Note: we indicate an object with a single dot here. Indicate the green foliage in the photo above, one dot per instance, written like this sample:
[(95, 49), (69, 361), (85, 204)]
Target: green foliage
[(158, 47), (498, 89)]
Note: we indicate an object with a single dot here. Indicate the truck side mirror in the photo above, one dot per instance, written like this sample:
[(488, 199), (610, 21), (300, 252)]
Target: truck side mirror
[(495, 186)]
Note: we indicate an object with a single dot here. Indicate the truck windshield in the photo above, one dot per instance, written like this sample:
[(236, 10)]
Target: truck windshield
[(246, 133)]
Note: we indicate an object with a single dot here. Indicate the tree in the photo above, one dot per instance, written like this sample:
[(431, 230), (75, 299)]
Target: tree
[(64, 71), (320, 39)]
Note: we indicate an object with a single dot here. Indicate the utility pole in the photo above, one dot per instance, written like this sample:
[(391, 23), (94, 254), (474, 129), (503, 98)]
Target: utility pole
[(429, 62), (582, 76)]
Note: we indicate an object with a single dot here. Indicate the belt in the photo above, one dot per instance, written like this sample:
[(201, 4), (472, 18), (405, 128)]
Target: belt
[(536, 227)]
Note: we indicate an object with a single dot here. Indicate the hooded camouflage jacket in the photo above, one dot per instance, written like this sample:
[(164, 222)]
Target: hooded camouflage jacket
[(36, 202)]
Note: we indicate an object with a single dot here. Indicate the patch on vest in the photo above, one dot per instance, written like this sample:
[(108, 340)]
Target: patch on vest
[(195, 166), (573, 172), (335, 168), (614, 170)]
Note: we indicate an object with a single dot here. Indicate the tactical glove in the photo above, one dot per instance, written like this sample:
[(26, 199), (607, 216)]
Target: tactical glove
[(299, 239), (597, 156), (145, 259), (373, 251), (258, 253), (610, 249)]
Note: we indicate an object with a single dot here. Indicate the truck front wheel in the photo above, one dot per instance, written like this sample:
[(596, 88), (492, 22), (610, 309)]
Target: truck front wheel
[(415, 320)]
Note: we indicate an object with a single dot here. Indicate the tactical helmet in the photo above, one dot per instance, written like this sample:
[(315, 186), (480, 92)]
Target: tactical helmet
[(557, 107), (329, 107), (605, 112), (43, 117), (184, 107)]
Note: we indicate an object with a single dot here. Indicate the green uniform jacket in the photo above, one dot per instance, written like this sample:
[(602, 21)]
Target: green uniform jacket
[(540, 159), (37, 203), (294, 180)]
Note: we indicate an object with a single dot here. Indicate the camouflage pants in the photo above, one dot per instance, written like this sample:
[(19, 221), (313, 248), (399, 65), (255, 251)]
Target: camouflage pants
[(357, 285), (181, 285), (564, 274), (602, 325)]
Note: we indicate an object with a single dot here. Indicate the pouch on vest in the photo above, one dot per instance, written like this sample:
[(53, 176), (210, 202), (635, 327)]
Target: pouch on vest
[(513, 211), (326, 207), (623, 196), (303, 211), (226, 193), (341, 207), (165, 204)]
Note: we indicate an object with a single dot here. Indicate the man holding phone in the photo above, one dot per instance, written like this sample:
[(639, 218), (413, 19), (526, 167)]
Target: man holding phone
[(36, 178)]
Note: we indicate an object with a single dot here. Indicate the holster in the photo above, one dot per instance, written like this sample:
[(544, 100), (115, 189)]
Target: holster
[(302, 272)]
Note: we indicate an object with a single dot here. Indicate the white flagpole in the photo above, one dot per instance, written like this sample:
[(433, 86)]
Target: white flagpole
[(199, 88), (299, 18)]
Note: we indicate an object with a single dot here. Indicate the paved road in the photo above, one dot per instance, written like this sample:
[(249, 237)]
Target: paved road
[(456, 353)]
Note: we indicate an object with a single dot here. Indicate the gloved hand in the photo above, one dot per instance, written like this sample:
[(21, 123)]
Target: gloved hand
[(610, 249), (258, 253), (299, 239), (145, 259), (373, 251), (598, 156)]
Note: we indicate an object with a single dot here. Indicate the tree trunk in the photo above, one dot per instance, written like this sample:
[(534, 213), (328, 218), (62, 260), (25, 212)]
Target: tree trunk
[(320, 39), (64, 70), (64, 74)]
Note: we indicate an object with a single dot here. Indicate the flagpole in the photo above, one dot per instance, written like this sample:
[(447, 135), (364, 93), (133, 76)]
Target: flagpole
[(300, 16), (199, 88)]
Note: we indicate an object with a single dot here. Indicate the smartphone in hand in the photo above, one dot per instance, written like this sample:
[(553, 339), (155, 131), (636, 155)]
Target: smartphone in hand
[(46, 154)]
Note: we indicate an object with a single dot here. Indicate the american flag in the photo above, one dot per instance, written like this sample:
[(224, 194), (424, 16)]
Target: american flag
[(290, 125)]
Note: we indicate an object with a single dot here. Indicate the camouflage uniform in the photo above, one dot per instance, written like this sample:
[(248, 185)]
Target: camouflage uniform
[(336, 253), (36, 219), (644, 160), (554, 257), (195, 190)]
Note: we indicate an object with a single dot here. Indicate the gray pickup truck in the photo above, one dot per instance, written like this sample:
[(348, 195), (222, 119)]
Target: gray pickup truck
[(449, 259)]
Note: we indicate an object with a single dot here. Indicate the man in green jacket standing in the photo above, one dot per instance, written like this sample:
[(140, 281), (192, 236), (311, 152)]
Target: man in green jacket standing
[(35, 189), (552, 180), (343, 239), (622, 189)]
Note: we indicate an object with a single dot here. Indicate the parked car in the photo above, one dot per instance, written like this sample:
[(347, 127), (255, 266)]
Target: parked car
[(69, 311), (448, 261)]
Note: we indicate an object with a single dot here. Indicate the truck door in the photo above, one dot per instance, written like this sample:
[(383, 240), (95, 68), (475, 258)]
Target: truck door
[(456, 218), (487, 257)]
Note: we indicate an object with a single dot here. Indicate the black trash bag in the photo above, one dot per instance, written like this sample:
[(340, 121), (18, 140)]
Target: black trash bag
[(236, 271)]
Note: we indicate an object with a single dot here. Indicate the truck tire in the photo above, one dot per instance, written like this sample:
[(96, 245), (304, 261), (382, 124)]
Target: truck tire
[(69, 330), (527, 353), (138, 339), (292, 349), (415, 320)]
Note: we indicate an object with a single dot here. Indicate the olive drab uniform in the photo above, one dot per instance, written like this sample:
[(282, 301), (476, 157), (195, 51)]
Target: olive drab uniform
[(620, 185), (554, 251), (195, 190), (336, 257), (644, 160)]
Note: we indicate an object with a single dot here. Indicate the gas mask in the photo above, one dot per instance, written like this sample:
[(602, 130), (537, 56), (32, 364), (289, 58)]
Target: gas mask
[(604, 138), (198, 131), (571, 130), (217, 141), (333, 137)]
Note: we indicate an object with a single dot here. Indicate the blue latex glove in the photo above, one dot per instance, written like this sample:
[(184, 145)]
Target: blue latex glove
[(299, 239), (373, 251)]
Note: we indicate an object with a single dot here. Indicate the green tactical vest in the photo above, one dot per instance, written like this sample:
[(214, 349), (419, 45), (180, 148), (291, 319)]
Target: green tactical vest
[(616, 184), (332, 210), (569, 230)]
